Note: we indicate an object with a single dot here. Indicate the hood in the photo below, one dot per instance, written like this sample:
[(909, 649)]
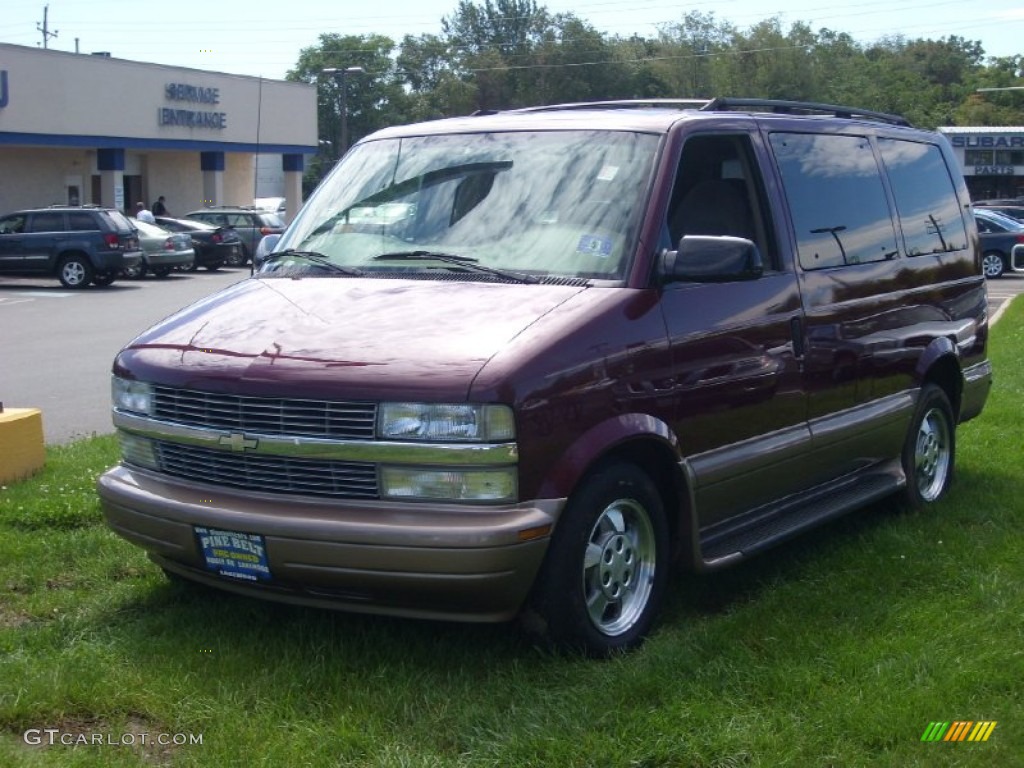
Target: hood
[(351, 338)]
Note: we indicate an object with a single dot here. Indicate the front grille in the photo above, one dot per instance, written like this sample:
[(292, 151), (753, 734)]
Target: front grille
[(266, 415), (270, 474)]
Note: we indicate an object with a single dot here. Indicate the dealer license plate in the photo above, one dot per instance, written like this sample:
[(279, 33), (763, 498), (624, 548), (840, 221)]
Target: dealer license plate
[(233, 554)]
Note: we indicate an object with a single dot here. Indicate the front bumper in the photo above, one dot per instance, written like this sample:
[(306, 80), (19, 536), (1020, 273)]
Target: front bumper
[(442, 561)]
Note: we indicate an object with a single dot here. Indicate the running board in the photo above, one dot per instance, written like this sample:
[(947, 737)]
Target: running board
[(727, 543)]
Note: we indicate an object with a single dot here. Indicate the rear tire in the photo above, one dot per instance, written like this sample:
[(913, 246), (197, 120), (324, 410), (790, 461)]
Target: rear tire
[(214, 266), (162, 271), (103, 279), (238, 258), (929, 453), (604, 577), (75, 271)]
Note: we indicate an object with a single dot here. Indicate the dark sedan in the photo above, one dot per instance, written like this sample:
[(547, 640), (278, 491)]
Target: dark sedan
[(1013, 211), (214, 246), (1000, 235)]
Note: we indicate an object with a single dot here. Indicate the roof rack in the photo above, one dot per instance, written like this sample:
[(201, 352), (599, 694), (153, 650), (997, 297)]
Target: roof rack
[(723, 103), (619, 104), (803, 108)]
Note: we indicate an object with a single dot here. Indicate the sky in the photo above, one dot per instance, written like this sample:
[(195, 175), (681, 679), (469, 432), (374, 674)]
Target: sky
[(262, 38)]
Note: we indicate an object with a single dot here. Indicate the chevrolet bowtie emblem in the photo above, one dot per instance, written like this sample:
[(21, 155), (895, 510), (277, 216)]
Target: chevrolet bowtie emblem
[(237, 441)]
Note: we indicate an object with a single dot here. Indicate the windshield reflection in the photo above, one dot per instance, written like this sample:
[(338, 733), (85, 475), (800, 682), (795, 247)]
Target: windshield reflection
[(563, 204)]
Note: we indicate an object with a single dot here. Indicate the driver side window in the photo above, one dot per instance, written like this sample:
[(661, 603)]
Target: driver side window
[(718, 192)]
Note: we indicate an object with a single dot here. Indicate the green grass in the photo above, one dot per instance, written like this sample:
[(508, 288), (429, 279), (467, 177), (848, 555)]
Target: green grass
[(835, 650)]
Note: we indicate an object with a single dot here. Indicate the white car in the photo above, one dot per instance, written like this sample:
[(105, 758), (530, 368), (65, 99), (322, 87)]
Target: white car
[(270, 203)]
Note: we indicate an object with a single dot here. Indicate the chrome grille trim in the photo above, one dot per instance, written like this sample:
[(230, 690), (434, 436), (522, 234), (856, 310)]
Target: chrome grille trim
[(376, 451), (270, 474), (266, 415)]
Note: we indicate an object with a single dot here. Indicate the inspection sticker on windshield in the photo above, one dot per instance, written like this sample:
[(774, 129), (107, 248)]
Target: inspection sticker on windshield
[(595, 245), (238, 555)]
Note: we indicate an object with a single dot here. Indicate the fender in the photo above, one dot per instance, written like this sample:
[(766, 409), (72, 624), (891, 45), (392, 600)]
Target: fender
[(600, 440), (937, 349)]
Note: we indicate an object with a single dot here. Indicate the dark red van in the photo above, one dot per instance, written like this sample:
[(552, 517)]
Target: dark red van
[(522, 362)]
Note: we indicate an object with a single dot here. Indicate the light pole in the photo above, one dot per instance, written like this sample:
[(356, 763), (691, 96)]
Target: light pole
[(341, 75)]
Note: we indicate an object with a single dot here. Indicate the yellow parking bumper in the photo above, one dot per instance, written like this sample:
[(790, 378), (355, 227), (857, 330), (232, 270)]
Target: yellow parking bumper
[(21, 443)]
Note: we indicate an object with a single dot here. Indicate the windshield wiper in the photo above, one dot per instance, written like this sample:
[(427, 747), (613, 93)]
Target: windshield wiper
[(317, 258), (463, 261)]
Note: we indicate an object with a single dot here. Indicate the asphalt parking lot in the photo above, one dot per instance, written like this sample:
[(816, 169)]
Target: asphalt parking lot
[(56, 345), (1002, 290)]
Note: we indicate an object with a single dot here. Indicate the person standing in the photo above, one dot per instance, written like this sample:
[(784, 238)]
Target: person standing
[(160, 207), (144, 214)]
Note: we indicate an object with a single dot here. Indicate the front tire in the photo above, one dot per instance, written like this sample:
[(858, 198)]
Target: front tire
[(136, 272), (929, 453), (75, 271), (605, 573), (992, 265)]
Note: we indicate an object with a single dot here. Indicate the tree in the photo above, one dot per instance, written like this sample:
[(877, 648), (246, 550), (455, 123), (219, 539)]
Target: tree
[(433, 86), (374, 98), (692, 56), (495, 43), (500, 54)]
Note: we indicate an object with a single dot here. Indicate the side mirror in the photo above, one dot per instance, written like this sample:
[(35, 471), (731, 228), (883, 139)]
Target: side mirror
[(267, 245), (705, 259)]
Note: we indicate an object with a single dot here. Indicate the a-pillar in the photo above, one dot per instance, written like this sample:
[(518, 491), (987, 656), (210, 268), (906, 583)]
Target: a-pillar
[(293, 166), (110, 163), (212, 165)]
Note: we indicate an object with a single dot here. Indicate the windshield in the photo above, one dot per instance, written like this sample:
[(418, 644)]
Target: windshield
[(559, 203)]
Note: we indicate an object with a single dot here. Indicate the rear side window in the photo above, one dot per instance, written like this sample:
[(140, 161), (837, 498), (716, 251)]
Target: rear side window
[(925, 197), (46, 222), (836, 199), (81, 222)]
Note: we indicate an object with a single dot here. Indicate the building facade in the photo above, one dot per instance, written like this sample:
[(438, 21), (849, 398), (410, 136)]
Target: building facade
[(90, 129), (992, 160)]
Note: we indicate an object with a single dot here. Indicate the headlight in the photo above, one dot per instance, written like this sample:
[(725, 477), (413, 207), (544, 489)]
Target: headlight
[(138, 450), (442, 421), (134, 396), (448, 484)]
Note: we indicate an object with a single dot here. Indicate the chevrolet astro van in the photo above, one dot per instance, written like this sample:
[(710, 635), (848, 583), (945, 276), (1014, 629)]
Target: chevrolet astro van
[(522, 363)]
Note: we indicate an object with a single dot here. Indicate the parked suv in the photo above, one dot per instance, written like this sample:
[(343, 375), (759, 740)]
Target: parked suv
[(78, 245), (520, 363), (251, 224)]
